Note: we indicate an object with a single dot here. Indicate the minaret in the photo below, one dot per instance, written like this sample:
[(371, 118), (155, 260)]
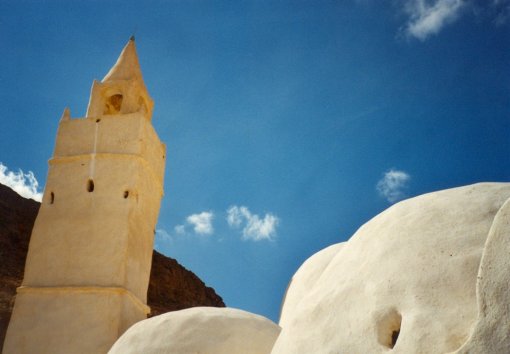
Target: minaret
[(88, 264)]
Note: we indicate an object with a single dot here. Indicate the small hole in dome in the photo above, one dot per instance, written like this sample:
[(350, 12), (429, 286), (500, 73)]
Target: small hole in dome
[(98, 120), (90, 185), (388, 328), (126, 194), (394, 337)]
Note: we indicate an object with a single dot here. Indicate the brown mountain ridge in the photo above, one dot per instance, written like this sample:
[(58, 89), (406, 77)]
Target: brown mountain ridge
[(172, 287)]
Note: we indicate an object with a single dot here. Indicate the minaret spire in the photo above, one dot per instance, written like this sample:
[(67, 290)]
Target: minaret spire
[(66, 115), (122, 91), (127, 66)]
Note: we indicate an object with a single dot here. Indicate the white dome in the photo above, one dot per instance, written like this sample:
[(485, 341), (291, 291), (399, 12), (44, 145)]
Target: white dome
[(304, 279), (407, 281), (205, 330)]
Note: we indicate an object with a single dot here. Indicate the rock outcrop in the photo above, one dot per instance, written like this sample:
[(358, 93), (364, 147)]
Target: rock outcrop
[(172, 287), (17, 216)]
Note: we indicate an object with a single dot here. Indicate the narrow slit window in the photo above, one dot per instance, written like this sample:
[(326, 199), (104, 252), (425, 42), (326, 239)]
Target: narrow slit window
[(126, 194), (90, 185), (52, 198)]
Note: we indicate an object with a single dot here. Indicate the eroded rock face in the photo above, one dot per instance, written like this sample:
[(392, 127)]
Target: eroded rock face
[(200, 330), (173, 287), (407, 281), (17, 216)]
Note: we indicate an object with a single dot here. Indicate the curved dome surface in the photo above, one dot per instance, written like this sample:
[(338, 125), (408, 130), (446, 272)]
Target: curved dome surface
[(304, 279), (406, 281), (206, 330)]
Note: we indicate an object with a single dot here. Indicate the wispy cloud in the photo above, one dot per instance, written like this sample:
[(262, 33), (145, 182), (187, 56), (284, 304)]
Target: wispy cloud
[(162, 235), (393, 184), (427, 17), (25, 184), (202, 223), (162, 238), (501, 8), (180, 229), (253, 227)]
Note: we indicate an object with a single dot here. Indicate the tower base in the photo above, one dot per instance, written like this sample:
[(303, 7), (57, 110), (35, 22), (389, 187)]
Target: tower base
[(70, 320)]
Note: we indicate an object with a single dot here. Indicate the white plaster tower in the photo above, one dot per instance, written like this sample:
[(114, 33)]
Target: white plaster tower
[(89, 259)]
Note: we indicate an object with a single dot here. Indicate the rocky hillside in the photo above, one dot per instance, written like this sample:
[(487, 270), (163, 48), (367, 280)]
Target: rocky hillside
[(172, 287)]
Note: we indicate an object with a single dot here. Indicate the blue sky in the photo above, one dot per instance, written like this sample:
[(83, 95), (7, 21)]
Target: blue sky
[(288, 124)]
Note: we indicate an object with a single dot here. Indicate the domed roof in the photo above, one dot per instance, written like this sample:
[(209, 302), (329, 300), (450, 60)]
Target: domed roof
[(406, 280), (208, 330)]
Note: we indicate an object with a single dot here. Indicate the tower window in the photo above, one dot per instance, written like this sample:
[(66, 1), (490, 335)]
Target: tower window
[(90, 185), (52, 198), (126, 194), (113, 104)]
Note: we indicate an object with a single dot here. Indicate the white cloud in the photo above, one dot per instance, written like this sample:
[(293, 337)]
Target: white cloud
[(202, 223), (25, 184), (235, 216), (393, 185), (254, 228), (161, 238), (427, 18), (162, 235), (180, 229)]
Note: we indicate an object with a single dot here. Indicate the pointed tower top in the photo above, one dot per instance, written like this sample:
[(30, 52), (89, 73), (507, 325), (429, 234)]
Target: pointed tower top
[(122, 90), (127, 66), (66, 115)]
